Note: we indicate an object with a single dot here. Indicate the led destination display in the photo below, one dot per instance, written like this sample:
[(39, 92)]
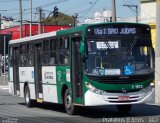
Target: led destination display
[(118, 30), (115, 31)]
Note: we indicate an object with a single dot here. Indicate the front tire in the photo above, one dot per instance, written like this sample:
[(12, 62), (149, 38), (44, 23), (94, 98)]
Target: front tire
[(29, 103), (69, 107), (124, 109)]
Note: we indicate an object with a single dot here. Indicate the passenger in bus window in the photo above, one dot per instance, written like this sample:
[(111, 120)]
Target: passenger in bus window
[(128, 58)]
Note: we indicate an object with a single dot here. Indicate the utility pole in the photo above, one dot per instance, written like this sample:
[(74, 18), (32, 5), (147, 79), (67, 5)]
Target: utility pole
[(113, 11), (157, 54), (136, 10), (44, 23), (75, 19), (4, 59), (40, 18), (0, 22), (20, 17), (31, 19)]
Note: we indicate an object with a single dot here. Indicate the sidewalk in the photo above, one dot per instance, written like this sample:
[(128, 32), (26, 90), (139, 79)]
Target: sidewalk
[(3, 84), (4, 87), (2, 80)]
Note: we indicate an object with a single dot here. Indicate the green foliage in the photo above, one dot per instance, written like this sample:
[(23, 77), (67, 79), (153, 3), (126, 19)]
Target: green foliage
[(62, 19)]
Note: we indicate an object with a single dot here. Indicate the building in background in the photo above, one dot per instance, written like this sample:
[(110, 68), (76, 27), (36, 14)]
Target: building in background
[(99, 16), (105, 16), (148, 15), (148, 11), (14, 31), (6, 24)]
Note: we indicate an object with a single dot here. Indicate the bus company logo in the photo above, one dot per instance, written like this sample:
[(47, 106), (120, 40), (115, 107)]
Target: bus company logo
[(48, 75), (123, 90)]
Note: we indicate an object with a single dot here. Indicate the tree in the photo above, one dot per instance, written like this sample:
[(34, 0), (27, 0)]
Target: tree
[(62, 19)]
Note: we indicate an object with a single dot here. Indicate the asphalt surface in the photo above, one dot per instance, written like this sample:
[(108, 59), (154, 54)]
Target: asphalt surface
[(13, 110)]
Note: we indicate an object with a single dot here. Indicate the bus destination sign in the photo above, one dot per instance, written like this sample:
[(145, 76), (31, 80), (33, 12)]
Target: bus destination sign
[(118, 30), (115, 31)]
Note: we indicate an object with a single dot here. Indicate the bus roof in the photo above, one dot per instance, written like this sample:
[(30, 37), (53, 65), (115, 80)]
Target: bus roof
[(83, 27), (35, 37)]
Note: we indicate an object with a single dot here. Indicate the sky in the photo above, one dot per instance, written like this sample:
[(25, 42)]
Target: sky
[(84, 8)]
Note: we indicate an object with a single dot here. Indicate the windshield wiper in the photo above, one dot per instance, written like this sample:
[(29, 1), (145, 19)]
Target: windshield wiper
[(132, 45), (108, 45)]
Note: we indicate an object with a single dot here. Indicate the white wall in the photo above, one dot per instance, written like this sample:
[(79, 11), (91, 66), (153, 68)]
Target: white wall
[(148, 12), (7, 24), (99, 16)]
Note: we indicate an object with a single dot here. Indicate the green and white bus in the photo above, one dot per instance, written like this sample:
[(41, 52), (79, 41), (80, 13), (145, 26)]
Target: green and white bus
[(89, 65)]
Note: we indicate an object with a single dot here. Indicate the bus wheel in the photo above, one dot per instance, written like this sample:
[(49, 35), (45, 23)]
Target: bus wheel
[(69, 107), (124, 109), (28, 101)]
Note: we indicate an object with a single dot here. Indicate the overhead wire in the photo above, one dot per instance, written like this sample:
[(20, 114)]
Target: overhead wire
[(142, 11), (89, 9), (42, 6), (12, 0), (51, 4)]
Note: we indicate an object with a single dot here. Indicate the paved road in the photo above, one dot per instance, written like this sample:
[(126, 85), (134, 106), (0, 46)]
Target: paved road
[(13, 110)]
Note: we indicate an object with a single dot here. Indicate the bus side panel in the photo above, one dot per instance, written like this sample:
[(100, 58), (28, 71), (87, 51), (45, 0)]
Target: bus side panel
[(32, 90), (26, 74), (21, 89), (50, 93), (63, 79), (49, 84), (11, 88)]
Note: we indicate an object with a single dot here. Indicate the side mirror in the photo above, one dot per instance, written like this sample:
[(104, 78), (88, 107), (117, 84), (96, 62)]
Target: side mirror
[(82, 48)]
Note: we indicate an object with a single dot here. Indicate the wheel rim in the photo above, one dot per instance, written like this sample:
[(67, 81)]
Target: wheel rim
[(68, 101)]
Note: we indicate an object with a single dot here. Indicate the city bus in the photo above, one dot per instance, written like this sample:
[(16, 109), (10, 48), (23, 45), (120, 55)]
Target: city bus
[(88, 65)]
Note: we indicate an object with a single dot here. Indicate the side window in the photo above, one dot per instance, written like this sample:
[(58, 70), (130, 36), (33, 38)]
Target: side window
[(30, 55), (53, 52), (56, 51), (53, 44), (45, 52), (23, 55), (46, 45), (63, 51)]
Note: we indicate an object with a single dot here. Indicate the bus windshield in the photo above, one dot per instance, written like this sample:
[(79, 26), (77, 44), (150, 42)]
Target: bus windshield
[(119, 57)]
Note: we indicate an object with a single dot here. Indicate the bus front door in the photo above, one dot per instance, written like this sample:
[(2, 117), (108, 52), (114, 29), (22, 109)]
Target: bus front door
[(16, 83), (76, 71), (38, 71)]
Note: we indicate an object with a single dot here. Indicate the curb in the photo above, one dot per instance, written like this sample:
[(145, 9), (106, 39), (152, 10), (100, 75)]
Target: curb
[(4, 87)]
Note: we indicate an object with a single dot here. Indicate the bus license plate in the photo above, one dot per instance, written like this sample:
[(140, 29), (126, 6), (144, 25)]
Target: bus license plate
[(123, 98)]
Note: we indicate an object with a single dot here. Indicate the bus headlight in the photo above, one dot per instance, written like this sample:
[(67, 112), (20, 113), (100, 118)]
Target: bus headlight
[(93, 89), (153, 84)]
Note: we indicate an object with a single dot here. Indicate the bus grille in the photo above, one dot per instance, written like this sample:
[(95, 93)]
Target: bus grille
[(116, 100), (122, 79)]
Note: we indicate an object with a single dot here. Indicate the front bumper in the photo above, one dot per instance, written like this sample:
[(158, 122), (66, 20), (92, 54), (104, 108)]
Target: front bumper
[(143, 96)]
